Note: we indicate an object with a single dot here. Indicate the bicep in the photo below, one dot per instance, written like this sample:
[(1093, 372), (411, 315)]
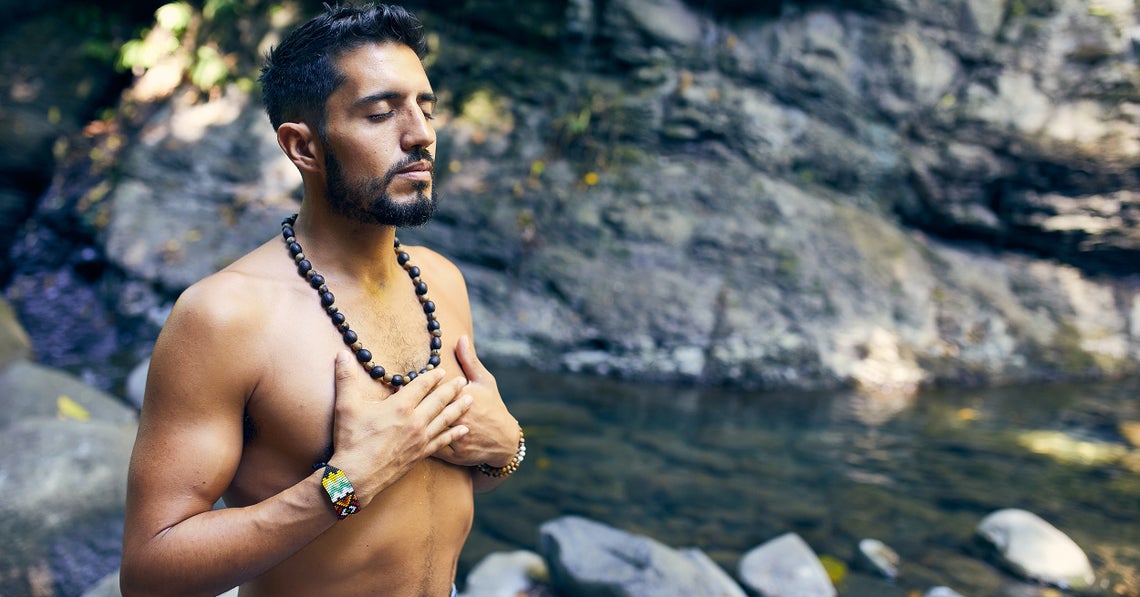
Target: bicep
[(189, 440)]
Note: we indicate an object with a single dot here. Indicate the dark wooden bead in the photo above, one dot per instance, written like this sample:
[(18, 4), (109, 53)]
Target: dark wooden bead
[(318, 282)]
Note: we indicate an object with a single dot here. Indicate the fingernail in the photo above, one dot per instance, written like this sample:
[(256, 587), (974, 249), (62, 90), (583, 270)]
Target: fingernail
[(467, 400), (463, 429)]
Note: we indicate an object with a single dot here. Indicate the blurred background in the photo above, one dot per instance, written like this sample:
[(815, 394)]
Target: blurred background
[(848, 269)]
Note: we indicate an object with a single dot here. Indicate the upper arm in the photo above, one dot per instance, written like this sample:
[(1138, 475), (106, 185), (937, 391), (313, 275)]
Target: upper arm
[(189, 440)]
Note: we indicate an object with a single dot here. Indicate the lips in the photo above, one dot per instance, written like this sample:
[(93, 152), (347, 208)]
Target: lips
[(420, 166)]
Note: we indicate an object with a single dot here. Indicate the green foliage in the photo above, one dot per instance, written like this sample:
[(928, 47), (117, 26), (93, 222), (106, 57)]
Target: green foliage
[(207, 42), (174, 17), (209, 69)]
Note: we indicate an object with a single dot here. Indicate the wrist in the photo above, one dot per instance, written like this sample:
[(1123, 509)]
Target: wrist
[(511, 466), (338, 490)]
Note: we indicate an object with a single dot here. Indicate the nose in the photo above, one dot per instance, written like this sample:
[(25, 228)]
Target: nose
[(418, 132)]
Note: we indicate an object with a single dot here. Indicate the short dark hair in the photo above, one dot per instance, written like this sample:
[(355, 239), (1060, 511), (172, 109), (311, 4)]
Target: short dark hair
[(301, 72)]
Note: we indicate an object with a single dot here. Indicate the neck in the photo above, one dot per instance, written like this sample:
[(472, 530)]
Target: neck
[(348, 249)]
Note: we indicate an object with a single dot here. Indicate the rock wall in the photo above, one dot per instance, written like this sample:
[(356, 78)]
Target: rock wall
[(885, 193)]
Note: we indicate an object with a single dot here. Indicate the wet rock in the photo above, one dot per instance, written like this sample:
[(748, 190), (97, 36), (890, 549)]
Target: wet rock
[(505, 574), (1036, 550), (879, 557), (590, 559), (785, 567)]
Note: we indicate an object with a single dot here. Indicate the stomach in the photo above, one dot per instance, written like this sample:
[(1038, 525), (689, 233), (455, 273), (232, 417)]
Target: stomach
[(406, 542)]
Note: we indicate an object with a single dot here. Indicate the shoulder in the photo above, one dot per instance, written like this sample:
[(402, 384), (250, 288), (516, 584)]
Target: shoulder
[(436, 266), (227, 313), (230, 298), (446, 285)]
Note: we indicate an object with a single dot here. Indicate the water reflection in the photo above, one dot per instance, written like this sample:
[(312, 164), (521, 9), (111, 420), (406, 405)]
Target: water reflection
[(725, 471)]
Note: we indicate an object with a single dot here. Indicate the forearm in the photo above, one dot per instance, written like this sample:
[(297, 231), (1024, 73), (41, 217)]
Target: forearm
[(214, 551), (481, 483)]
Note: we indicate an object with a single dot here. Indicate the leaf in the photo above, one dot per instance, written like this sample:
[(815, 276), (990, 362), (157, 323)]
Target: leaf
[(70, 409)]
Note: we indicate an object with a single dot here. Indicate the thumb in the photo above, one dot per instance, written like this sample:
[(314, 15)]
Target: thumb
[(343, 375), (473, 369)]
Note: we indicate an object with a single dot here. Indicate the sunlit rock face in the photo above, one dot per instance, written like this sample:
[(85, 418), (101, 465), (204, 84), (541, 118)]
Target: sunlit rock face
[(882, 195)]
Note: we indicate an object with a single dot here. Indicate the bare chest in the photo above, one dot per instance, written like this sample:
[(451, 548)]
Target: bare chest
[(289, 416)]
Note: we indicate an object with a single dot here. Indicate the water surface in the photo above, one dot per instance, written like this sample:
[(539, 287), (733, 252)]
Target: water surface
[(727, 470)]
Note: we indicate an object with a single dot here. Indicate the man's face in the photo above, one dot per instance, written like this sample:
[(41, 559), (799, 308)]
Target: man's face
[(379, 143)]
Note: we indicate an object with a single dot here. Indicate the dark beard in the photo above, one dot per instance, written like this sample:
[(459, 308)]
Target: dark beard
[(368, 200)]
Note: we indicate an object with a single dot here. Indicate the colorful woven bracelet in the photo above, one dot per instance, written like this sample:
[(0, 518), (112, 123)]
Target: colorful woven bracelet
[(512, 466), (340, 491)]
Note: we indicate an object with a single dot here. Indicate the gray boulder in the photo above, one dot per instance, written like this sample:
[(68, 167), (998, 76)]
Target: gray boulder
[(785, 567), (502, 574), (942, 592), (590, 559), (1036, 550), (64, 479)]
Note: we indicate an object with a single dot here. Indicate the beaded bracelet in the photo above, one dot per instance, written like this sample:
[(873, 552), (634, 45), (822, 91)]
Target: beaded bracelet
[(340, 491), (500, 472)]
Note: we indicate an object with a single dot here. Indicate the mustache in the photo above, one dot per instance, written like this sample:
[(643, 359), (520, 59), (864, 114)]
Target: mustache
[(418, 154)]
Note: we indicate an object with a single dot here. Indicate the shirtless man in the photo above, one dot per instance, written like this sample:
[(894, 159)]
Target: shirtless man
[(255, 395)]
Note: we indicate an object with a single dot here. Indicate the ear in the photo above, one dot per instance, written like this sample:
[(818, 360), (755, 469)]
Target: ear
[(302, 146)]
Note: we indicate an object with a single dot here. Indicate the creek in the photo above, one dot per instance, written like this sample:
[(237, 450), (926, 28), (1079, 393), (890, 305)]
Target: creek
[(726, 470)]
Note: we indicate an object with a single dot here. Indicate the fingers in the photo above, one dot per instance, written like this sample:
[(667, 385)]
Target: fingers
[(448, 436)]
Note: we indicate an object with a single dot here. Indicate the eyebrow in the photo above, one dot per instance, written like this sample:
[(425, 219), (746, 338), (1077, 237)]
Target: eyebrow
[(430, 98)]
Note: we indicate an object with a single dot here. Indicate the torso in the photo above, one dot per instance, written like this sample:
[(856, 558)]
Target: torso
[(407, 541)]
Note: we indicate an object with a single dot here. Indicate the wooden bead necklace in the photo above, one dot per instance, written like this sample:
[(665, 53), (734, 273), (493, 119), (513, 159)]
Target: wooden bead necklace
[(363, 355)]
